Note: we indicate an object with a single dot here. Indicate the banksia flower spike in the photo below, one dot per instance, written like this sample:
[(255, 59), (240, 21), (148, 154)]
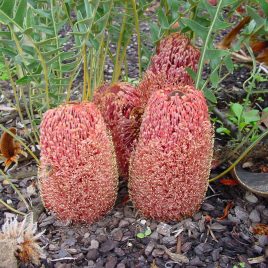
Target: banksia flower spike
[(10, 149), (78, 172), (170, 166), (120, 105), (168, 67), (20, 240)]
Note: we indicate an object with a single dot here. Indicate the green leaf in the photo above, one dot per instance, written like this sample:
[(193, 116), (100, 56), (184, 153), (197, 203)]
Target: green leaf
[(140, 235), (251, 116), (229, 63), (237, 109), (264, 5), (214, 78), (210, 95), (154, 31), (21, 12), (24, 80), (163, 19), (8, 7), (148, 231), (216, 53), (196, 27), (223, 130)]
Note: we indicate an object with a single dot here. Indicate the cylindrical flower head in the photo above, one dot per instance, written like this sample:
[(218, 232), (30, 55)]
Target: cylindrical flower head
[(169, 169), (78, 173), (120, 107), (168, 67)]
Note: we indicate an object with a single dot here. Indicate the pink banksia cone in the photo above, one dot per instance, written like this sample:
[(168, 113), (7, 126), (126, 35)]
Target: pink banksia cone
[(120, 105), (170, 166), (168, 66), (78, 173)]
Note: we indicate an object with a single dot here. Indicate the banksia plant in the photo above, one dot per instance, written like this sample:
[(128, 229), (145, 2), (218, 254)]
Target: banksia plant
[(170, 166), (18, 241), (121, 108), (168, 66), (78, 173)]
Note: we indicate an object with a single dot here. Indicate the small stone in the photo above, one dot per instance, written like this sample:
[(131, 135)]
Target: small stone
[(94, 244), (251, 198), (90, 264), (169, 240), (257, 249), (265, 214), (93, 254), (196, 261), (63, 254), (203, 248), (254, 216), (143, 222), (240, 213), (123, 223), (217, 227), (86, 235), (263, 240), (117, 234), (111, 262), (216, 254), (158, 252), (72, 251), (121, 265), (149, 248), (164, 229), (154, 235), (53, 247), (208, 207), (119, 252), (186, 246), (107, 246)]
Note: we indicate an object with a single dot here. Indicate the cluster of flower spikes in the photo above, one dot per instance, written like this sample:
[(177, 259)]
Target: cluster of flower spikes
[(122, 105), (169, 169), (119, 104), (78, 173)]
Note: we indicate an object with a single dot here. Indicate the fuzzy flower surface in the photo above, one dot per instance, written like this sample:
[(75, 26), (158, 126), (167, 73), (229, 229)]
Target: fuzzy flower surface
[(22, 239), (121, 108), (170, 166), (168, 66), (78, 173)]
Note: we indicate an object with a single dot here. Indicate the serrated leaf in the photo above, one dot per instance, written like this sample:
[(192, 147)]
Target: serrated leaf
[(163, 19), (216, 53), (210, 95), (229, 63), (154, 32), (196, 27)]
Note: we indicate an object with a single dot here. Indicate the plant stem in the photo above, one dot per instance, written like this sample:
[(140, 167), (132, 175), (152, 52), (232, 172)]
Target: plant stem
[(201, 63), (136, 17), (11, 208), (243, 155)]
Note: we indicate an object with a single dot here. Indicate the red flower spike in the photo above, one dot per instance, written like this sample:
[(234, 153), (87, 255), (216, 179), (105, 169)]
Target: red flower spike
[(168, 67), (78, 172), (170, 166), (120, 105)]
